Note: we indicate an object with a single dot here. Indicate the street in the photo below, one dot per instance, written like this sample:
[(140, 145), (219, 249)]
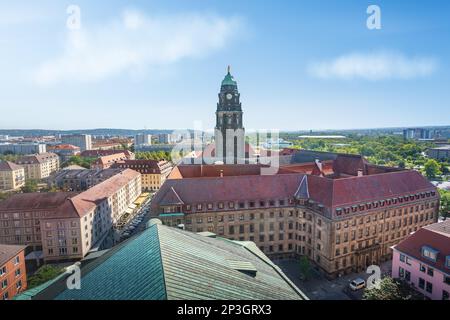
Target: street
[(320, 288)]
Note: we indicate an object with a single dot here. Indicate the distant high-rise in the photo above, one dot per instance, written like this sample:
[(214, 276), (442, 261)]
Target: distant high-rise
[(84, 141), (417, 134), (229, 131), (143, 139)]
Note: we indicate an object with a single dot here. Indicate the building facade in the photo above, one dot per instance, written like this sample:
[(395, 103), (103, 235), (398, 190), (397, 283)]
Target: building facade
[(64, 151), (39, 166), (102, 153), (106, 162), (344, 214), (229, 132), (154, 173), (22, 148), (423, 260), (440, 153), (12, 176), (13, 276), (143, 139), (64, 226), (80, 179), (83, 141)]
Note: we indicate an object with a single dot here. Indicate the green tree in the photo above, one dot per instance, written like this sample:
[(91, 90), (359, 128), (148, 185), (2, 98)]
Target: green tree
[(445, 203), (30, 186), (432, 168), (305, 268), (391, 289), (43, 274)]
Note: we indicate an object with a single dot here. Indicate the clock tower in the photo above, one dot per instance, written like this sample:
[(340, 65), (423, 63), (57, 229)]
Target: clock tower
[(229, 131)]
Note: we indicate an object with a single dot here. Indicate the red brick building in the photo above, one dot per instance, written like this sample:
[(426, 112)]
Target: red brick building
[(13, 277)]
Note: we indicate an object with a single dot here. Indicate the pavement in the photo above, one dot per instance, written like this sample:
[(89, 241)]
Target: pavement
[(320, 288)]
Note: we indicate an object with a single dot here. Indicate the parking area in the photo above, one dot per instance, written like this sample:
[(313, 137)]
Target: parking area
[(137, 220), (320, 288)]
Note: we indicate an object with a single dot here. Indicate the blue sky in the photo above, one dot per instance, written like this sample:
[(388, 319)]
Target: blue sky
[(300, 65)]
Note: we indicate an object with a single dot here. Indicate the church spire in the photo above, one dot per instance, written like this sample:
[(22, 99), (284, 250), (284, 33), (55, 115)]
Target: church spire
[(229, 69)]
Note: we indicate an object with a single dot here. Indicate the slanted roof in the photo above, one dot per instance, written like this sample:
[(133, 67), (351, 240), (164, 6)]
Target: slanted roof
[(167, 263), (7, 252), (302, 191), (436, 236), (9, 166), (171, 197)]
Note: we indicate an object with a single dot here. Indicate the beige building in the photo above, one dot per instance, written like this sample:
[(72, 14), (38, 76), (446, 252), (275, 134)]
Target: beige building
[(154, 173), (344, 215), (39, 166), (66, 225), (12, 176)]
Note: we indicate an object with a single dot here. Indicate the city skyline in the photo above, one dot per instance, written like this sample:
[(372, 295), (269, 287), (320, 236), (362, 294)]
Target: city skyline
[(306, 61)]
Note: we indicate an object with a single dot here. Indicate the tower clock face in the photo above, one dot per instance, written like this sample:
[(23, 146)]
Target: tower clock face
[(229, 96)]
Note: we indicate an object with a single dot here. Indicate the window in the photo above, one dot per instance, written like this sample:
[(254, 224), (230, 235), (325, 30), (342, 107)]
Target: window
[(429, 253), (402, 258), (4, 283), (421, 283), (445, 295), (407, 275), (447, 261), (422, 268), (401, 272), (429, 287), (430, 272), (231, 229), (2, 271), (16, 260), (17, 273)]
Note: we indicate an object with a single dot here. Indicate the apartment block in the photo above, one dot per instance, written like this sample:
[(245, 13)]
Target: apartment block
[(39, 166), (83, 141), (80, 179), (423, 260), (22, 148), (106, 162), (154, 173), (13, 277), (12, 176), (66, 225)]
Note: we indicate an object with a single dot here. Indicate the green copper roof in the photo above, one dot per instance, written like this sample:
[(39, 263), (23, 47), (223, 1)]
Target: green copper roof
[(229, 80), (134, 272), (169, 263)]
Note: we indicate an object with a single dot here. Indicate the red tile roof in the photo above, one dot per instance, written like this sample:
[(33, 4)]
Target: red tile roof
[(86, 201), (38, 201), (331, 193), (63, 147), (101, 153), (68, 204), (436, 236)]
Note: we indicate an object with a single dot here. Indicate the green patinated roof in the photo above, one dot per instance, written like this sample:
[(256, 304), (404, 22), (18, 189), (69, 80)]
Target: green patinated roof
[(229, 80), (168, 263)]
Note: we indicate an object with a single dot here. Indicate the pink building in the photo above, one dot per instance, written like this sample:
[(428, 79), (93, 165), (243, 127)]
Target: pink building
[(423, 260)]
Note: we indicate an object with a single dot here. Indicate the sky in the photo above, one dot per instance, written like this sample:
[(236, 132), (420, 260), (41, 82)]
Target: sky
[(300, 65)]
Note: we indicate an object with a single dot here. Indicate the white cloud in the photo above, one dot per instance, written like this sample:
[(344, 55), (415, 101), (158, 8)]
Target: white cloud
[(374, 66), (133, 43)]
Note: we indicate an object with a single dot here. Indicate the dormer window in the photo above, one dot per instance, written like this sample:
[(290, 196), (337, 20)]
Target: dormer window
[(430, 253)]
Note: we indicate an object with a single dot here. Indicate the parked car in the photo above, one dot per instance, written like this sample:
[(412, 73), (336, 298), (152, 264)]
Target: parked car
[(357, 284)]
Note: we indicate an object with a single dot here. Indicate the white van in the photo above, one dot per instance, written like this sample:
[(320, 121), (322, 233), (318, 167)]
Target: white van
[(357, 284)]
